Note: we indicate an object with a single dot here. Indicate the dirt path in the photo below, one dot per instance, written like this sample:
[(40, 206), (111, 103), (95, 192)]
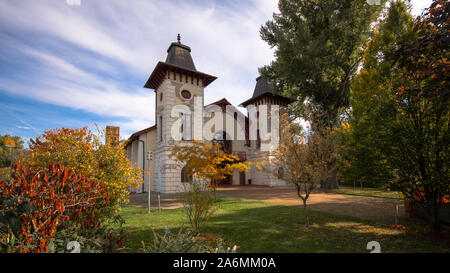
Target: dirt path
[(168, 200), (370, 208)]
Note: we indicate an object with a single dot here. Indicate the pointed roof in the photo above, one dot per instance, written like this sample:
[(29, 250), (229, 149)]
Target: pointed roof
[(179, 60), (222, 103), (180, 55), (264, 88)]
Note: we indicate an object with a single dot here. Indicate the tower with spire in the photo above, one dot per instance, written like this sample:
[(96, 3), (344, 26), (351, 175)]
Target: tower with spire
[(178, 85), (175, 82), (264, 95)]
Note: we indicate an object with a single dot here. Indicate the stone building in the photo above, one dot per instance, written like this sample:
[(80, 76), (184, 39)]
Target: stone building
[(179, 85)]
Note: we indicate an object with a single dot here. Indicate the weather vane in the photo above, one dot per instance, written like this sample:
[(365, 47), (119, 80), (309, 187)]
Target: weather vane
[(178, 38)]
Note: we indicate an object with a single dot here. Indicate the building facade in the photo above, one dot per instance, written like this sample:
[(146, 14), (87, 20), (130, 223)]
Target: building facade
[(179, 93)]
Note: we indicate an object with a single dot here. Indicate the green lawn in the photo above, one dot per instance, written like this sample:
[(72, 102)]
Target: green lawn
[(261, 227), (373, 192)]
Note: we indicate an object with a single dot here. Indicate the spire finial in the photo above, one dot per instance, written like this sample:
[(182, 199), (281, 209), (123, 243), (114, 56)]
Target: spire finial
[(178, 38)]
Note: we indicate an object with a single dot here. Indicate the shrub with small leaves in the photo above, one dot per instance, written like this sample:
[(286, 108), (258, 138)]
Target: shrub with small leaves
[(38, 203), (184, 241), (84, 152), (199, 202), (104, 239)]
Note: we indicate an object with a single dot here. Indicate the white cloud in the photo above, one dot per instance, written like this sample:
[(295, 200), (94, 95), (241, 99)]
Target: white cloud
[(419, 5), (113, 37), (224, 40)]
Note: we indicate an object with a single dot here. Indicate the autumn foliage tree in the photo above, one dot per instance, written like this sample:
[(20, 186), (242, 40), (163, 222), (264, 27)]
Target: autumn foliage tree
[(84, 152), (209, 163), (205, 164), (420, 155), (305, 159)]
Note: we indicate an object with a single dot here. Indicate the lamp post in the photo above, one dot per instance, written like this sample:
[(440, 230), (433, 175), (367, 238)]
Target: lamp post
[(149, 158)]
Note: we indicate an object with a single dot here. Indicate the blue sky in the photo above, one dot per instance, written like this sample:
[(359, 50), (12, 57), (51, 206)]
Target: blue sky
[(70, 66)]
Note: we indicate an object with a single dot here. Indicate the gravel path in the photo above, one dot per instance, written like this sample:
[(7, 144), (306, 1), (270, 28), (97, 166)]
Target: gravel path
[(369, 208), (168, 200)]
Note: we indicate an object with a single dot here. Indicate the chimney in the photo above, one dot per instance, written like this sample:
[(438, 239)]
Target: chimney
[(112, 135)]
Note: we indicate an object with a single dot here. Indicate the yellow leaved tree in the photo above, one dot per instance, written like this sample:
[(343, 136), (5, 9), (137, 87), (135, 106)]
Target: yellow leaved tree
[(86, 154), (208, 162)]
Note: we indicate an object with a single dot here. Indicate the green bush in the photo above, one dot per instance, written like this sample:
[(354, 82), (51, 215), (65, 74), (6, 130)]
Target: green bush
[(101, 240), (185, 241), (199, 202)]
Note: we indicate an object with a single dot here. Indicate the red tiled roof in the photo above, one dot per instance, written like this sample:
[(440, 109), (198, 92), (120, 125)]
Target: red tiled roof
[(137, 134)]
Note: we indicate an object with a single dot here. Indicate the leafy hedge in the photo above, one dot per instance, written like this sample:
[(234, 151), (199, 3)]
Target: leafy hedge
[(40, 207)]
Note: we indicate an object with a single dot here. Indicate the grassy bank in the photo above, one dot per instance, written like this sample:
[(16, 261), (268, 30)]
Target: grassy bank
[(261, 227), (372, 192)]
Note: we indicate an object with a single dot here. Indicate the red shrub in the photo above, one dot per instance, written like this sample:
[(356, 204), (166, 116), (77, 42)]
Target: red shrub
[(38, 203), (421, 196)]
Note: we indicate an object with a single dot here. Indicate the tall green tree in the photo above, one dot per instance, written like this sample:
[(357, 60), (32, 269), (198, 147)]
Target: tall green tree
[(365, 144), (399, 131), (318, 48)]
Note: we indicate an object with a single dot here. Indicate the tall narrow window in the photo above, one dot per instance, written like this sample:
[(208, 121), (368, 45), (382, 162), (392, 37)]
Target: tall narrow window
[(160, 128), (258, 140), (185, 177), (186, 127)]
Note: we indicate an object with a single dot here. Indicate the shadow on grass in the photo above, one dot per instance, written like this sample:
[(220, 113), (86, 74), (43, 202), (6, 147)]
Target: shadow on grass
[(260, 227)]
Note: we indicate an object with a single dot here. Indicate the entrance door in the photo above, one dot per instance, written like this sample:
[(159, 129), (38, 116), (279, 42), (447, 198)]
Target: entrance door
[(226, 181), (242, 178)]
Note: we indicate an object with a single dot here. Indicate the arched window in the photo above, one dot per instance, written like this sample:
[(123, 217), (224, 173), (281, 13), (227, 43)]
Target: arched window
[(185, 177), (224, 140), (280, 173)]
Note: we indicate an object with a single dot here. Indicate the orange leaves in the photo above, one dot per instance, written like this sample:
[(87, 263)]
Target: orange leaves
[(53, 203), (399, 227), (421, 196)]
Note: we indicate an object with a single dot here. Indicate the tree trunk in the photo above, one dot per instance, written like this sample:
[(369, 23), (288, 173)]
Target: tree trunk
[(331, 182), (305, 212), (433, 212)]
